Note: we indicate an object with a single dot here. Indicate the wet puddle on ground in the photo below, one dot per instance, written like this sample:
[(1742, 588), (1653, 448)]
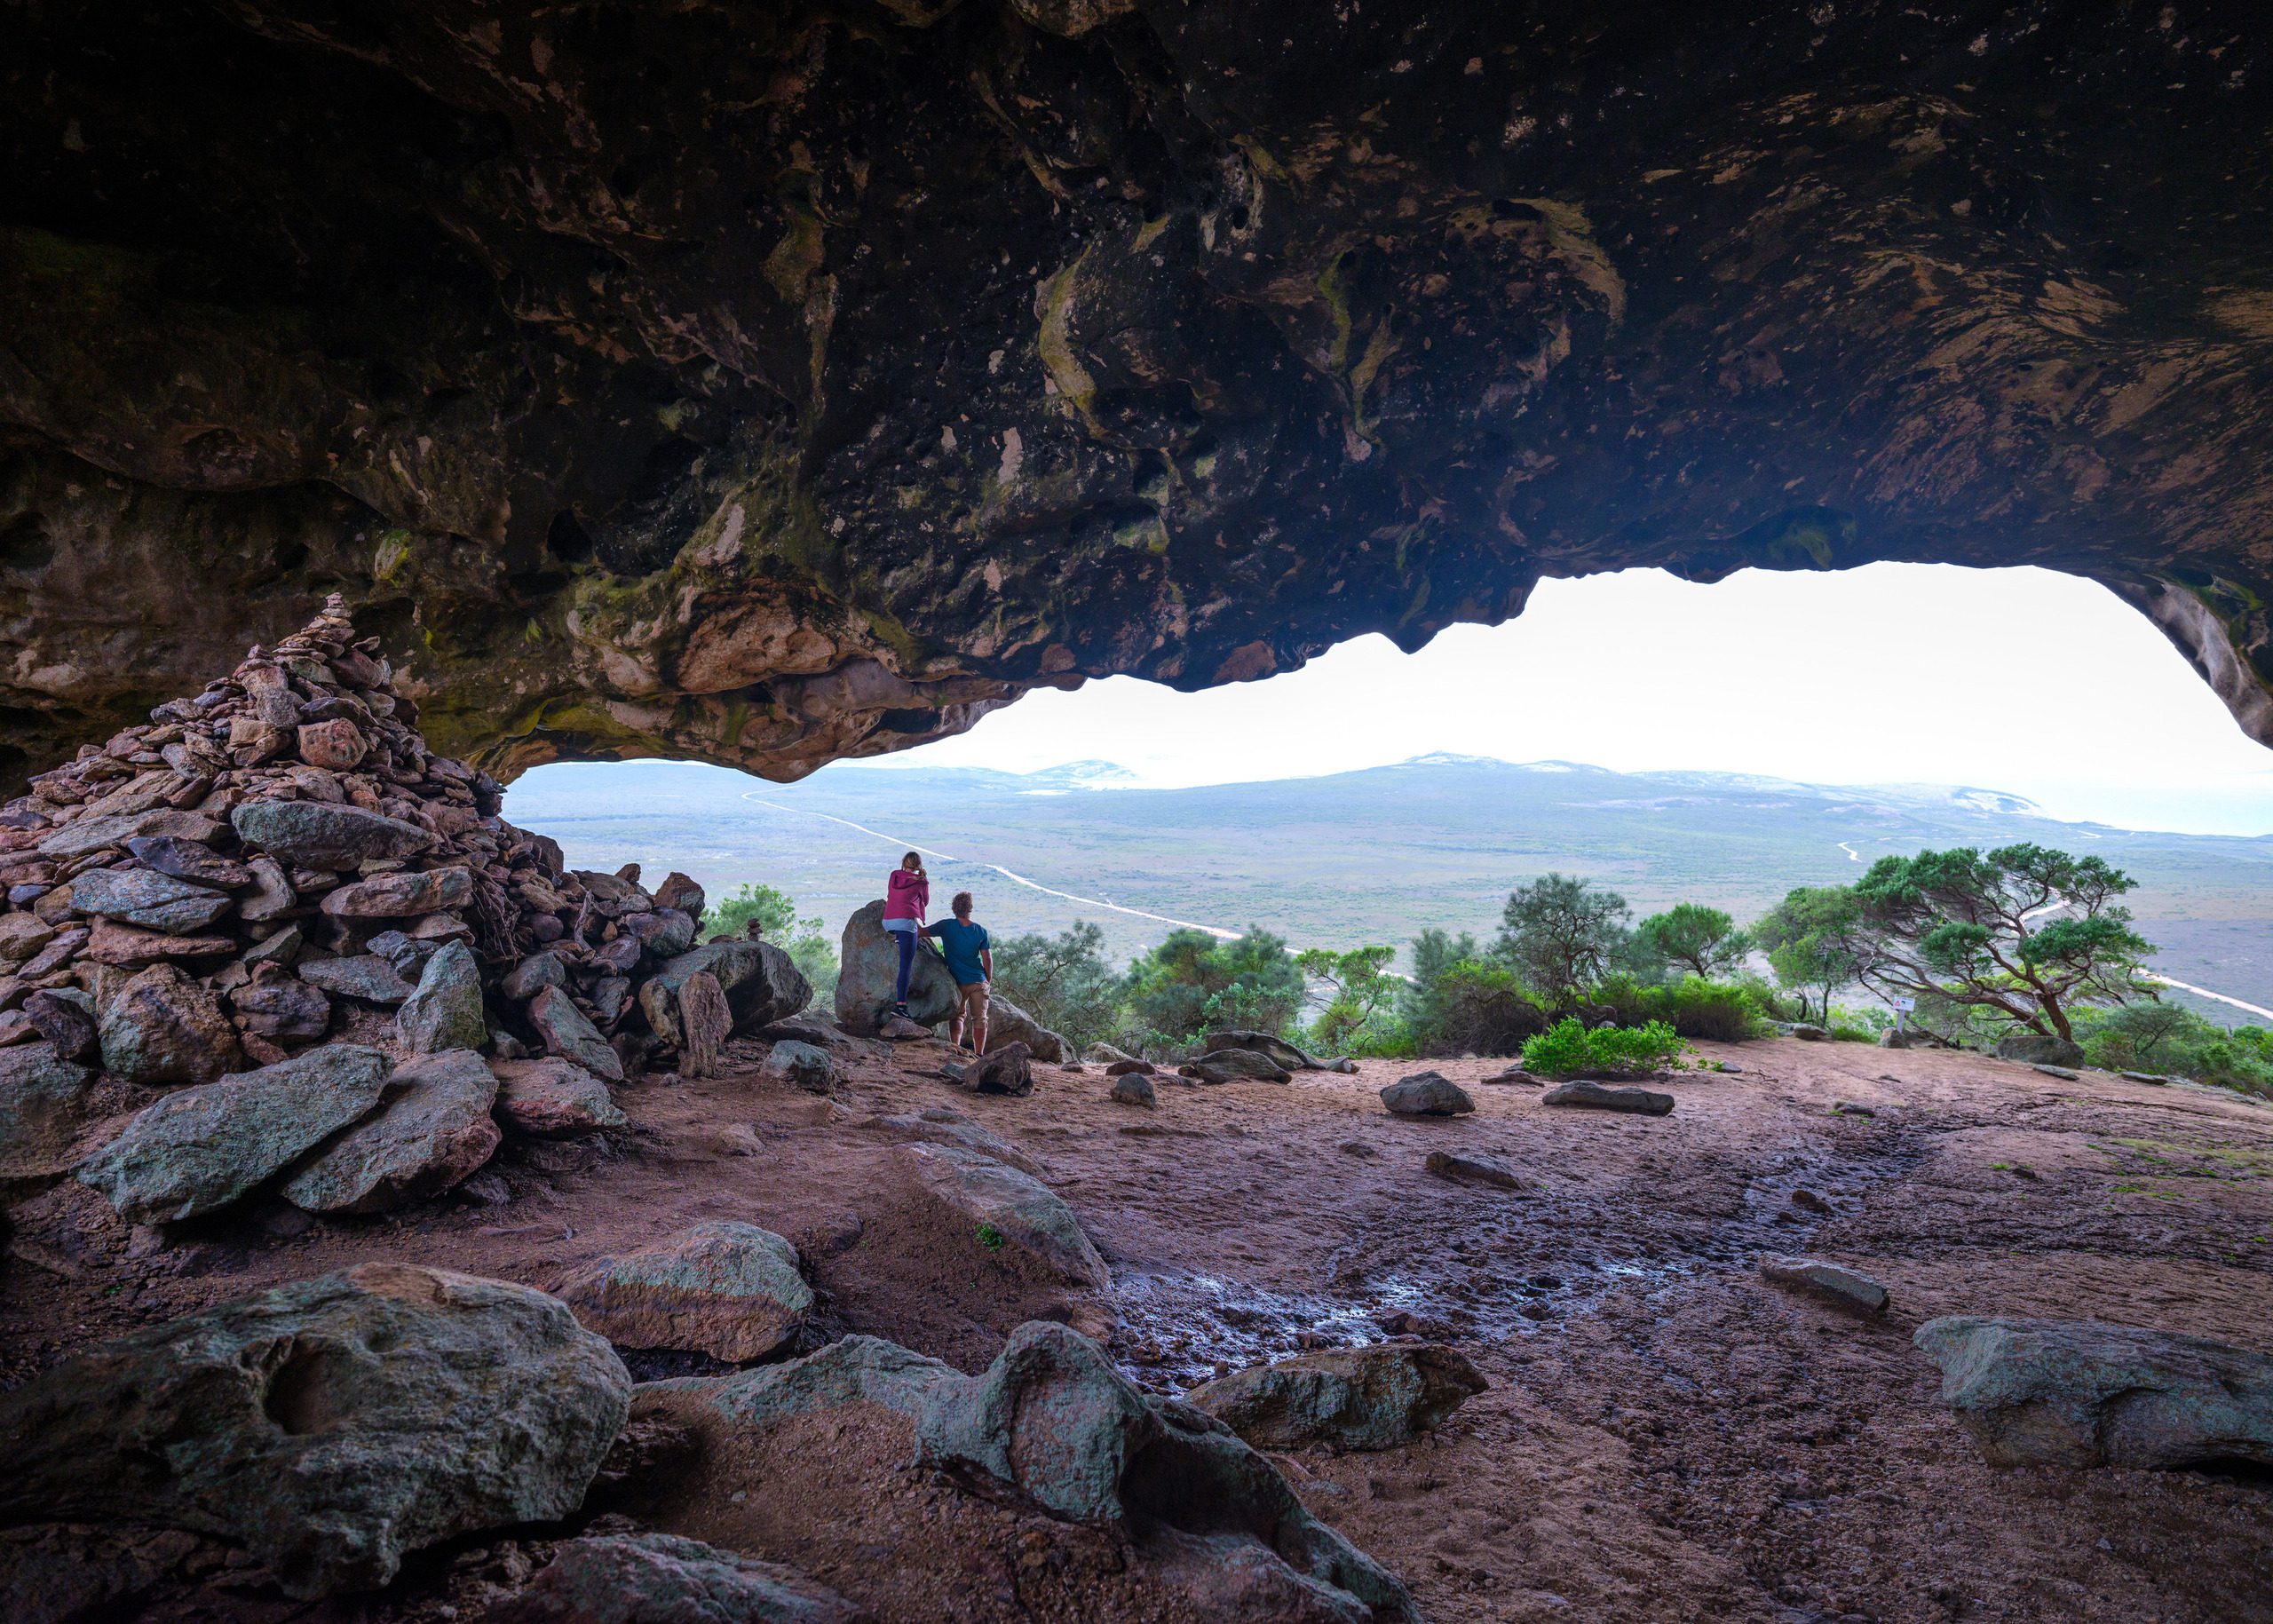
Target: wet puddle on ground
[(1180, 1330), (1478, 1271)]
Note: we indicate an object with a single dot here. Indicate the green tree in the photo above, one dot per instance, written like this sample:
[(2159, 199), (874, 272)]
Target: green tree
[(1561, 933), (1360, 1013), (774, 913), (1807, 937), (2024, 934), (1063, 981), (1690, 936), (1194, 983), (771, 911)]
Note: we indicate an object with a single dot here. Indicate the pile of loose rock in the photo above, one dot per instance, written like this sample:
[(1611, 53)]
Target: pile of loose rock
[(277, 883)]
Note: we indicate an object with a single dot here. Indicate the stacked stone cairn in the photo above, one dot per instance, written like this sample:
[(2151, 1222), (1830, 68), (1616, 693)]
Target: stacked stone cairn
[(275, 894)]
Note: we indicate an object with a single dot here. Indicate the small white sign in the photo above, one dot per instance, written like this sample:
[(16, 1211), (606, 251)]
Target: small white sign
[(1905, 1004)]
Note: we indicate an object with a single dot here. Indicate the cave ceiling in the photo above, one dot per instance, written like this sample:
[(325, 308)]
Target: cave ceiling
[(769, 383)]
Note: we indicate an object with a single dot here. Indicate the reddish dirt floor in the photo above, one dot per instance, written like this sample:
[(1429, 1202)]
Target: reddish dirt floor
[(1667, 1435)]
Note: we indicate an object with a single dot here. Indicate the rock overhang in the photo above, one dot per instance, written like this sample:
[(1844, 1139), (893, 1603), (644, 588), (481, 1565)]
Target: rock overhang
[(770, 388)]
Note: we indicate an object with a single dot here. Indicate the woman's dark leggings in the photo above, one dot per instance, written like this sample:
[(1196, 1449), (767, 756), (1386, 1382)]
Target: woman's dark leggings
[(906, 939)]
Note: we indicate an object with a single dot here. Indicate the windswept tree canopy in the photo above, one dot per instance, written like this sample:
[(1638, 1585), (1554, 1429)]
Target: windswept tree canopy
[(2024, 934)]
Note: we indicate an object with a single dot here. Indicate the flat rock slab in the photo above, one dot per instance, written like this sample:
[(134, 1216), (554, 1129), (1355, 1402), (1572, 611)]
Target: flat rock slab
[(663, 1578), (940, 1126), (365, 977), (2058, 1392), (1473, 1170), (1224, 1065), (404, 895), (330, 1426), (1286, 1056), (1425, 1094), (2063, 1072), (1012, 1206), (1839, 1288), (322, 834), (1595, 1097), (432, 1129), (552, 1099), (199, 1149), (730, 1291), (1360, 1398), (152, 900)]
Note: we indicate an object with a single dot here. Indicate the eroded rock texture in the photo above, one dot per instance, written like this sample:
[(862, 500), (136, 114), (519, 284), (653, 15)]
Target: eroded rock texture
[(769, 383)]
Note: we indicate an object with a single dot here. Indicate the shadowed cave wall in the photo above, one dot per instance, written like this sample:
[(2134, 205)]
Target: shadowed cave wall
[(770, 383)]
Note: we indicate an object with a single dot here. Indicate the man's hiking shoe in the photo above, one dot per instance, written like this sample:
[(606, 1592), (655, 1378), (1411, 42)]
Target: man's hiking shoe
[(901, 1009)]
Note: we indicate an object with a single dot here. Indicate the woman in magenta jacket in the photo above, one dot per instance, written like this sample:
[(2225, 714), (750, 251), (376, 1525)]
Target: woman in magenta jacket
[(908, 898)]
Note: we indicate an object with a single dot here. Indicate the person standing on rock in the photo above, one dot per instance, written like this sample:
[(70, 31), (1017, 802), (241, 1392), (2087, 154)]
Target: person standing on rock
[(971, 961), (908, 898)]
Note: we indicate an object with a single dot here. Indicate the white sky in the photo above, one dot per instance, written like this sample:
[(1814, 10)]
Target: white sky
[(2023, 680)]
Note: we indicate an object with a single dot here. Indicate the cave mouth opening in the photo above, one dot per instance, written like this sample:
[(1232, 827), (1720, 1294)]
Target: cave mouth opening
[(1671, 740)]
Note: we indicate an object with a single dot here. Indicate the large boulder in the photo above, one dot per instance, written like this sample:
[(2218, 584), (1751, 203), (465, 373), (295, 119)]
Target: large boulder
[(432, 1129), (329, 1426), (1007, 1024), (1373, 1397), (163, 1027), (730, 1290), (663, 1578), (445, 1011), (2056, 1392), (1426, 1094), (552, 1099), (2035, 1049), (1006, 1208), (868, 969), (1052, 1422), (199, 1149), (324, 835), (762, 984), (44, 1106), (567, 1035)]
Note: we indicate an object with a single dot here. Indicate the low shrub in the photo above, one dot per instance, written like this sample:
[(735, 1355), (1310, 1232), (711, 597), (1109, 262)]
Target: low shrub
[(1481, 1007), (1863, 1025), (1569, 1048), (1721, 1011), (2164, 1037)]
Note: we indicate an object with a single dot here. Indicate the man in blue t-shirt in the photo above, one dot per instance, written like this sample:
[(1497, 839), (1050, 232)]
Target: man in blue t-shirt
[(971, 961)]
